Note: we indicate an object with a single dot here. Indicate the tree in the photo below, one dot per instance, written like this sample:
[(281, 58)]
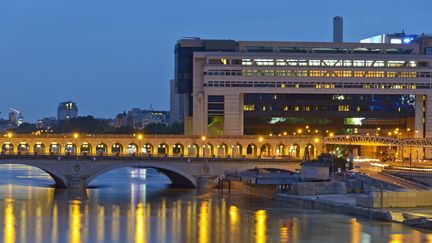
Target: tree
[(24, 128)]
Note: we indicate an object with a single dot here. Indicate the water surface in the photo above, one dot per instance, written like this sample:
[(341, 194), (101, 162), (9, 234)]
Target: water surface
[(137, 205)]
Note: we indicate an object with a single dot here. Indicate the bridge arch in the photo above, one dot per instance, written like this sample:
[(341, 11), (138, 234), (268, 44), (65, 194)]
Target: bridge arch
[(59, 179), (70, 149), (208, 149), (280, 150), (147, 149), (117, 149), (178, 149), (101, 149), (222, 150), (251, 150), (193, 150), (86, 149), (179, 178), (294, 150), (132, 149), (23, 148), (7, 148), (163, 149), (39, 148), (266, 150), (54, 148), (237, 150), (311, 149)]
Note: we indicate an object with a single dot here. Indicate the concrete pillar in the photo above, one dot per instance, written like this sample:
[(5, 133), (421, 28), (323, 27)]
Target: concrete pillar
[(93, 149), (76, 183), (233, 114), (419, 118), (199, 106), (428, 127)]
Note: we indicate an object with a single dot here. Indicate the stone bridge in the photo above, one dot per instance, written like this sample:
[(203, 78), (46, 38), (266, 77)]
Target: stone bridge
[(78, 171)]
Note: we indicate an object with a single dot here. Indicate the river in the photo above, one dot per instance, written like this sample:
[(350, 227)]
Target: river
[(137, 205)]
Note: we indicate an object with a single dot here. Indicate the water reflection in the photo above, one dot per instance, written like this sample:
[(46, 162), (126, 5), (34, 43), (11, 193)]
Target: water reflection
[(9, 221), (129, 210)]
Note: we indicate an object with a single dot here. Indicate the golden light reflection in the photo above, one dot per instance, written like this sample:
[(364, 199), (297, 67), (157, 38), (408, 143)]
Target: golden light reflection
[(284, 234), (429, 238), (234, 223), (54, 230), (115, 223), (75, 222), (356, 230), (9, 222), (101, 223), (39, 226), (260, 226), (416, 236), (23, 223), (140, 224), (203, 222), (396, 238), (162, 220), (189, 221)]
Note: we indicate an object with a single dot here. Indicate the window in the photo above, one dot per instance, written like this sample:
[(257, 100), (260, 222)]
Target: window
[(249, 107), (314, 62), (343, 108)]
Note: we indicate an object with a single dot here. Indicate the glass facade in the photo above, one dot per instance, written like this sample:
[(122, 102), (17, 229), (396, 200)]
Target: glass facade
[(278, 113)]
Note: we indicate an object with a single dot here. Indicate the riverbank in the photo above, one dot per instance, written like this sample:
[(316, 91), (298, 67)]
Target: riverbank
[(346, 204)]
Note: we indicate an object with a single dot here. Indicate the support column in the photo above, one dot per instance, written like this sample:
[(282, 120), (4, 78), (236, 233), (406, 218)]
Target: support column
[(427, 125), (418, 125), (199, 99), (233, 114)]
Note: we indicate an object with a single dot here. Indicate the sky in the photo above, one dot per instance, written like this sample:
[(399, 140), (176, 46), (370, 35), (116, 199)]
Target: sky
[(112, 55)]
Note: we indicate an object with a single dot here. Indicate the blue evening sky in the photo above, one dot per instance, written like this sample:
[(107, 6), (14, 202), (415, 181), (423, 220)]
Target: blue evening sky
[(112, 55)]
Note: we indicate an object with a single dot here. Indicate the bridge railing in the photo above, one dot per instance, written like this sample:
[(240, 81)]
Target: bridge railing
[(131, 157), (155, 136)]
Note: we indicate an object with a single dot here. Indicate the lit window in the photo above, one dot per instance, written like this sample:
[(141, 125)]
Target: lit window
[(249, 107), (343, 108)]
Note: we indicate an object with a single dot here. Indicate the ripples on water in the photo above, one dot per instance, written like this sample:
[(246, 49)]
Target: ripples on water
[(135, 205)]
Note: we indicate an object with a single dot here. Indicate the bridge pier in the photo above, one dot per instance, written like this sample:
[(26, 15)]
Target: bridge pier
[(205, 182), (76, 183)]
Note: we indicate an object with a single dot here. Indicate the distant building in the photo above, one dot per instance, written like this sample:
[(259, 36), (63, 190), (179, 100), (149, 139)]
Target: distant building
[(46, 124), (138, 118), (67, 110), (15, 118), (176, 105)]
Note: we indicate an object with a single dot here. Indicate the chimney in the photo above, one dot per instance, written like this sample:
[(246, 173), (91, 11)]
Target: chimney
[(337, 29)]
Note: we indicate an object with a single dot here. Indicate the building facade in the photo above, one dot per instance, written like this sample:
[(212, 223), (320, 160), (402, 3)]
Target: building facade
[(227, 84), (67, 110), (176, 105)]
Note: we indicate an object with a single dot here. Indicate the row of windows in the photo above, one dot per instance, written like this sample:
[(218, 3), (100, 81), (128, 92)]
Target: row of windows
[(319, 85), (319, 73), (307, 108), (315, 63)]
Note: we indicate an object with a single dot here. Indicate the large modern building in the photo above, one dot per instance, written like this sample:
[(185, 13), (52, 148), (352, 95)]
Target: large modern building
[(260, 87), (67, 110)]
